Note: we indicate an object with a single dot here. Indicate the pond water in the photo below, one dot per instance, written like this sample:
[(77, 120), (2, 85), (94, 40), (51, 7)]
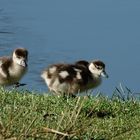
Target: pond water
[(66, 31)]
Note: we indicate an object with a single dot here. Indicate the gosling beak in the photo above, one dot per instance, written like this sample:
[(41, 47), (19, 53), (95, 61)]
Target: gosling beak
[(104, 74), (23, 63)]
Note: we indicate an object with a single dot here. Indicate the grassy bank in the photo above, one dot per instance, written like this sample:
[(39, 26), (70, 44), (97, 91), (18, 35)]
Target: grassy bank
[(28, 116)]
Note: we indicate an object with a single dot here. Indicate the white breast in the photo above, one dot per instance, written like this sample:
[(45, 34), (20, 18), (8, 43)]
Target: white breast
[(17, 72)]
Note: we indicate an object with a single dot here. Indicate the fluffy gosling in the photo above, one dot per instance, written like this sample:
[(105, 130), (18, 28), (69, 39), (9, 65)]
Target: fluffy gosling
[(12, 69), (74, 78)]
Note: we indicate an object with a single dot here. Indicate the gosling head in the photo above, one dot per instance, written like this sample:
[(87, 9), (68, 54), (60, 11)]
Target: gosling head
[(20, 56), (97, 68)]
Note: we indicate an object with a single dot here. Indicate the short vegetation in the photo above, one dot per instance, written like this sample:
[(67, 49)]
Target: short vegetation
[(26, 115)]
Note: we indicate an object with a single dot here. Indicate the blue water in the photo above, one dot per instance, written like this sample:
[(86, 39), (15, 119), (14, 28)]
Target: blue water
[(65, 31)]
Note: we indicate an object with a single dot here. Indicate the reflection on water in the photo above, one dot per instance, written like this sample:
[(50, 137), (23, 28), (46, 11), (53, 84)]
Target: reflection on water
[(66, 31)]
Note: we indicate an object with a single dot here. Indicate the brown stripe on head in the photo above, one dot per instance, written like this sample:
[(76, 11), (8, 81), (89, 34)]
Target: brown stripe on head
[(21, 52), (99, 64)]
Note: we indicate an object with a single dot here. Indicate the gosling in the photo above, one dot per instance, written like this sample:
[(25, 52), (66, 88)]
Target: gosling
[(12, 69), (74, 78)]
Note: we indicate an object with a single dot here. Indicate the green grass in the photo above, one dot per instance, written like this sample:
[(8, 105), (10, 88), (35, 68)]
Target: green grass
[(28, 116)]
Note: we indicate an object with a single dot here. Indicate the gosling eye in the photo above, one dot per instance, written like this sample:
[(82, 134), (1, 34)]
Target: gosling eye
[(18, 57), (99, 67)]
